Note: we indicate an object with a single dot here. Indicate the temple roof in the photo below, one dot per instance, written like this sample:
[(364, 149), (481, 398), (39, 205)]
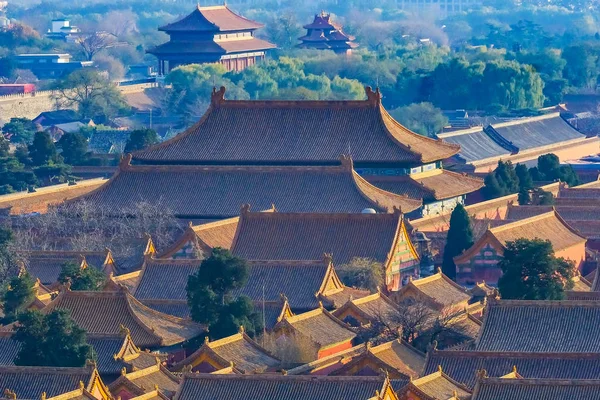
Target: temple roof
[(300, 281), (277, 387), (297, 132), (146, 380), (47, 265), (438, 288), (9, 349), (517, 389), (439, 184), (211, 47), (438, 385), (165, 279), (322, 21), (31, 382), (117, 352), (246, 355), (211, 19), (375, 307), (518, 136), (548, 226), (109, 312), (189, 191), (320, 326), (462, 366), (286, 236), (205, 237), (540, 326)]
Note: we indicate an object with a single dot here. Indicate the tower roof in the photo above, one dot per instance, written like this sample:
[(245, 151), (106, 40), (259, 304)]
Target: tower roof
[(211, 19), (297, 132)]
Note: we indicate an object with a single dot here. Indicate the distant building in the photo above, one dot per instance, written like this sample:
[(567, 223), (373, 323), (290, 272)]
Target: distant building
[(323, 34), (211, 35), (61, 29), (48, 66), (438, 7)]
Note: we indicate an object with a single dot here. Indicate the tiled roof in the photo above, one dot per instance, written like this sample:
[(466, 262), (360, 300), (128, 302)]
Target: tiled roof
[(293, 132), (209, 46), (165, 279), (337, 298), (217, 234), (300, 281), (517, 389), (580, 284), (375, 307), (574, 193), (401, 356), (438, 385), (47, 265), (320, 326), (189, 191), (116, 352), (540, 326), (476, 144), (282, 236), (31, 382), (211, 19), (247, 356), (462, 366), (439, 185), (273, 312), (537, 131), (147, 379), (277, 387), (107, 312), (437, 287), (548, 226), (9, 349)]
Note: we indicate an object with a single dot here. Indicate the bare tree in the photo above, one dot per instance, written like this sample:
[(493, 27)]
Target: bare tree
[(96, 42), (292, 349)]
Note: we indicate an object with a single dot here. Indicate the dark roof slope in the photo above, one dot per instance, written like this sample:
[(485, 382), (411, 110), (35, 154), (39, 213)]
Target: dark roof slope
[(165, 279), (519, 389), (281, 236), (475, 144), (211, 19), (31, 382), (540, 326), (220, 191), (9, 349), (47, 265), (204, 47), (298, 281), (277, 387), (462, 366), (296, 132), (537, 132)]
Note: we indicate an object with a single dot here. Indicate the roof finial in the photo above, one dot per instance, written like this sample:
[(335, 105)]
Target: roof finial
[(43, 396), (123, 371), (206, 339), (440, 369), (514, 370), (373, 97), (241, 329), (346, 161), (328, 258), (125, 162), (218, 96), (245, 208), (81, 385), (321, 305)]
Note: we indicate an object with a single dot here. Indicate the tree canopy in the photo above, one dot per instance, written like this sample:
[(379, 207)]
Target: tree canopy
[(140, 139), (51, 340), (74, 147), (532, 272), (20, 130), (459, 238), (89, 278), (210, 295), (18, 296), (42, 150)]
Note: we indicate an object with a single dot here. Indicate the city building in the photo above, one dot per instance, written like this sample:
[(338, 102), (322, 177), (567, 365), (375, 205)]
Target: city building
[(324, 34), (208, 35), (61, 29), (48, 66)]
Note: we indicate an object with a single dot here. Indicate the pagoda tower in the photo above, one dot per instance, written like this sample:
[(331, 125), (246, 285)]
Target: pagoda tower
[(211, 35), (323, 34)]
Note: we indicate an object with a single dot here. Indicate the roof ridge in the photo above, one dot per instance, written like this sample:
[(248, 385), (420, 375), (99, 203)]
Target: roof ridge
[(287, 263), (214, 224), (543, 303), (512, 354), (303, 216), (276, 377), (526, 120), (521, 222), (542, 382)]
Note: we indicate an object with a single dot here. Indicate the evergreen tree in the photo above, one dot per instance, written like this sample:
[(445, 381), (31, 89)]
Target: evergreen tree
[(20, 130), (51, 340), (17, 297), (210, 295), (507, 177), (540, 197), (89, 278), (140, 139), (460, 238), (532, 272), (524, 197), (74, 148), (42, 150), (525, 180), (492, 188)]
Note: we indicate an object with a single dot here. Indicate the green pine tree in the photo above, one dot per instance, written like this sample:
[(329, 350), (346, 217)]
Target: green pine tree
[(532, 272), (210, 298), (51, 340), (17, 297), (460, 238), (42, 150), (88, 278)]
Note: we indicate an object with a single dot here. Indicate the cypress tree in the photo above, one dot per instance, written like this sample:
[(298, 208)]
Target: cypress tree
[(460, 238)]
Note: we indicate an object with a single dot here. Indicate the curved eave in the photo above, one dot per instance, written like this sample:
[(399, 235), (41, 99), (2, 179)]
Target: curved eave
[(383, 199)]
